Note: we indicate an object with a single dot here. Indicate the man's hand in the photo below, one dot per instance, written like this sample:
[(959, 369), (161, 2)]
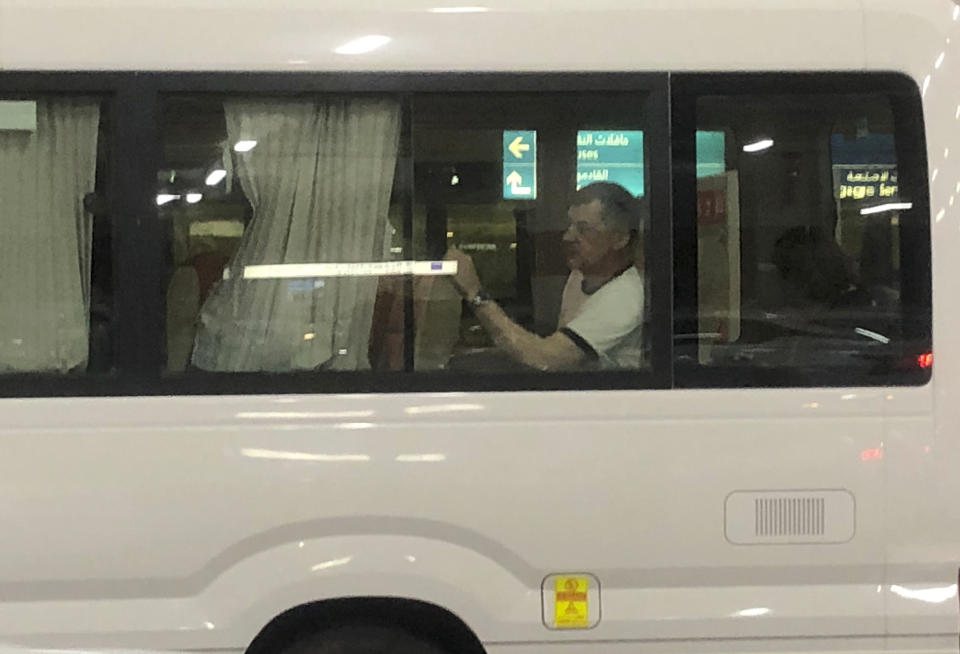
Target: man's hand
[(466, 280), (555, 352)]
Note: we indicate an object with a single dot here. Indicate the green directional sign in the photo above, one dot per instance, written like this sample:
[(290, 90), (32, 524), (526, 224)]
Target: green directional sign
[(711, 153), (611, 156), (617, 156), (519, 164)]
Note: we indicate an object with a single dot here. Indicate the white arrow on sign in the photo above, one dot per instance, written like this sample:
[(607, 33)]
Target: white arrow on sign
[(514, 179), (517, 147)]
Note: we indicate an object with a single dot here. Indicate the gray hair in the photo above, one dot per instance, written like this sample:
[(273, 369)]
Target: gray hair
[(618, 208)]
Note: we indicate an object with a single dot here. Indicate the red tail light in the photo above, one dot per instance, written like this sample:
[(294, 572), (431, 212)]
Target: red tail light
[(925, 360), (871, 454)]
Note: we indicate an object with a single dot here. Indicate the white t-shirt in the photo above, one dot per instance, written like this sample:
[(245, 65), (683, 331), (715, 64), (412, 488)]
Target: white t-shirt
[(609, 320)]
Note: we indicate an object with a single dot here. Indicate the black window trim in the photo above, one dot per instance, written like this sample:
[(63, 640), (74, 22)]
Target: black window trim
[(133, 100), (907, 105)]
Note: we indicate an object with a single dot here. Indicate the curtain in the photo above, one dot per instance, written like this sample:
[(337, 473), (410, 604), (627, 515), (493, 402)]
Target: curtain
[(319, 182), (46, 238)]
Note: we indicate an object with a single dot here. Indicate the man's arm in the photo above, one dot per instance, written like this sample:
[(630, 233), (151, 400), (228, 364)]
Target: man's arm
[(554, 352)]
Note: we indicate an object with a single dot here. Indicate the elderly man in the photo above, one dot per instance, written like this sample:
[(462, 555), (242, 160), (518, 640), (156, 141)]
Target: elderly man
[(601, 314)]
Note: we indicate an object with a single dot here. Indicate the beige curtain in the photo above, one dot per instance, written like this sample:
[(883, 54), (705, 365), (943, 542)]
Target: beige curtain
[(319, 181), (46, 238)]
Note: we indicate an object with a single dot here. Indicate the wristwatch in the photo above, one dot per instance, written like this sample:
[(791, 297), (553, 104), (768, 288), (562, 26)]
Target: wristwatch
[(479, 299)]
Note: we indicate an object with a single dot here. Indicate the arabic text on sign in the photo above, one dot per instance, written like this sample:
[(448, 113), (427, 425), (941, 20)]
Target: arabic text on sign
[(611, 156)]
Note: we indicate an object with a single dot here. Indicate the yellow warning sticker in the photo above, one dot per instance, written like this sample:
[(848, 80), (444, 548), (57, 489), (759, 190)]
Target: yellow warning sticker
[(570, 602)]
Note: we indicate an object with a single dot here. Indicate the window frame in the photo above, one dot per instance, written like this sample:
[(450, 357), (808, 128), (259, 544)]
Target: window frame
[(134, 100), (907, 106)]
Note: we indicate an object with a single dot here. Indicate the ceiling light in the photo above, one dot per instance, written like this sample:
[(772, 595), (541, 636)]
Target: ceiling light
[(892, 206), (193, 198), (166, 198), (216, 176), (244, 146), (458, 10), (758, 146), (363, 44)]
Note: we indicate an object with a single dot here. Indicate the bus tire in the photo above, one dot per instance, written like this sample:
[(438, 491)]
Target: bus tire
[(362, 639)]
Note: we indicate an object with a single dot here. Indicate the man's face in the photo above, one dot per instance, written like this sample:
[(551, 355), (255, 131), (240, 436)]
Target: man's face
[(588, 241)]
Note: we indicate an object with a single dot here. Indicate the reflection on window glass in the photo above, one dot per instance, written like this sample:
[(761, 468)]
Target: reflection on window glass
[(614, 156), (549, 277), (280, 218), (300, 240), (798, 226), (55, 253)]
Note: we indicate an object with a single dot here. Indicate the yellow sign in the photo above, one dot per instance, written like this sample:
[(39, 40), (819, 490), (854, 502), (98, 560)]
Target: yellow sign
[(570, 602)]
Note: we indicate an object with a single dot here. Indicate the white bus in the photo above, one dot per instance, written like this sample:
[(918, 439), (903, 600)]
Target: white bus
[(358, 326)]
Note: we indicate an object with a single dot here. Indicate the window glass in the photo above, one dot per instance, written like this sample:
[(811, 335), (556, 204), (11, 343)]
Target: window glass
[(56, 297), (282, 227), (799, 257), (541, 201), (303, 237)]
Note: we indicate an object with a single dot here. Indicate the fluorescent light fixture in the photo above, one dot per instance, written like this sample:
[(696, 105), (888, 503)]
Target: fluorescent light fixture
[(282, 455), (421, 458), (371, 269), (751, 613), (936, 595), (193, 198), (458, 10), (354, 425), (303, 415), (363, 45), (891, 206), (244, 146), (880, 338), (216, 176), (166, 198), (332, 564), (442, 408), (758, 146)]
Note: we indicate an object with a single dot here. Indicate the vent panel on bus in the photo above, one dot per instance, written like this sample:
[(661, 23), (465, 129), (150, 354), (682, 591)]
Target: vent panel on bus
[(790, 517)]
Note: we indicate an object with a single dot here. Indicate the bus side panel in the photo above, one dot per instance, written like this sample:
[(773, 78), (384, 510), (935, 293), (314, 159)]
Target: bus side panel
[(178, 521), (922, 440), (555, 36)]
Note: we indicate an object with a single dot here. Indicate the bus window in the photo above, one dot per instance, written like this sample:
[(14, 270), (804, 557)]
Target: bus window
[(55, 254), (279, 215), (302, 237), (799, 255), (511, 182)]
